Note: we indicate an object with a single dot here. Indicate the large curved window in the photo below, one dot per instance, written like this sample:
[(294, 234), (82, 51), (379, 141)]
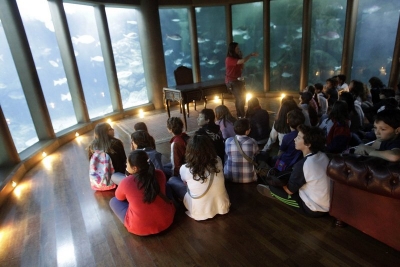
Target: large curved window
[(12, 100), (327, 30), (377, 23), (286, 36), (176, 40), (247, 31), (43, 44), (211, 41), (85, 40), (124, 34)]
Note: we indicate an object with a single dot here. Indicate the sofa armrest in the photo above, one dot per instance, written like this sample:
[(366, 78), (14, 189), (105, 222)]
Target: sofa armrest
[(370, 174)]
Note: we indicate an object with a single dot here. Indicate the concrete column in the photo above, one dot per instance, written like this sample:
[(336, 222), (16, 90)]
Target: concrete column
[(152, 51), (395, 71), (266, 45), (349, 38), (69, 61), (195, 44), (306, 43), (109, 62), (8, 152)]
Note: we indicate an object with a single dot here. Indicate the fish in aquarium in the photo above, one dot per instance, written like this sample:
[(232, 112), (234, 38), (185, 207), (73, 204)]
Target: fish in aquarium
[(220, 42), (124, 74), (210, 76), (83, 39), (174, 37), (330, 36), (202, 40), (97, 59), (16, 94), (168, 52), (286, 75), (371, 9), (66, 97), (212, 61), (246, 37), (272, 25), (133, 22), (60, 81), (53, 63), (239, 31), (175, 20), (285, 46), (131, 35), (273, 64), (216, 51), (178, 61)]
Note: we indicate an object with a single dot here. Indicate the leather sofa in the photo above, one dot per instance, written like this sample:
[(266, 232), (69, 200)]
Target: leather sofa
[(366, 195)]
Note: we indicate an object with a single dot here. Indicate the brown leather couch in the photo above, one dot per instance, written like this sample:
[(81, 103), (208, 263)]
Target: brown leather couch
[(366, 195)]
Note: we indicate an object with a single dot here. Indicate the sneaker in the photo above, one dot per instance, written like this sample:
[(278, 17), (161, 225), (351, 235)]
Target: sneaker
[(264, 190)]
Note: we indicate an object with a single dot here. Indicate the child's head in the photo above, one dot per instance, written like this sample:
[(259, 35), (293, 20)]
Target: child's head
[(295, 118), (386, 93), (206, 116), (253, 103), (310, 138), (341, 78), (305, 97), (387, 124), (140, 139), (137, 162), (339, 112), (221, 111), (140, 126), (318, 87), (356, 88), (241, 126), (103, 131), (175, 125)]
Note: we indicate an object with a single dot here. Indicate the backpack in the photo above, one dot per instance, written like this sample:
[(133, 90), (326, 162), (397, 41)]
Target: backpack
[(100, 171)]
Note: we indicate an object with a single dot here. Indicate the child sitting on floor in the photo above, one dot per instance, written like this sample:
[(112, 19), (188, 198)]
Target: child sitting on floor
[(237, 169), (387, 130)]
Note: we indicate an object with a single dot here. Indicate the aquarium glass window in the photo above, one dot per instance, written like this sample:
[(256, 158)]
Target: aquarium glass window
[(247, 31), (211, 41), (327, 30), (176, 40), (286, 35), (86, 44), (12, 100), (124, 33), (39, 29), (376, 31)]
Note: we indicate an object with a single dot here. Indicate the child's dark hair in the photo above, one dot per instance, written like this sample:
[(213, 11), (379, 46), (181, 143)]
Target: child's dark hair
[(339, 112), (311, 89), (140, 126), (280, 124), (145, 175), (314, 137), (252, 105), (342, 77), (295, 118), (142, 139), (389, 116), (241, 126), (319, 86), (175, 125), (208, 115), (222, 113)]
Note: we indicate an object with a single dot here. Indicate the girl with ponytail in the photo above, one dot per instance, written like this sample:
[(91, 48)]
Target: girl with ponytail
[(140, 202)]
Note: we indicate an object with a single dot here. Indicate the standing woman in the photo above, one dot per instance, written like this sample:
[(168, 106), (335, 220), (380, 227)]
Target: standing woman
[(234, 64), (202, 183), (140, 202), (104, 140)]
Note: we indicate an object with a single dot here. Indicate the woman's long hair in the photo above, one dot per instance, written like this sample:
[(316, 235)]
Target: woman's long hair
[(201, 157), (145, 176), (339, 112), (142, 139), (222, 113), (231, 50), (102, 141), (281, 125), (252, 105)]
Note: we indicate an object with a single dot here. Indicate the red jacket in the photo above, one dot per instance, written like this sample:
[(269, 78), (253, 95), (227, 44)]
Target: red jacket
[(178, 150)]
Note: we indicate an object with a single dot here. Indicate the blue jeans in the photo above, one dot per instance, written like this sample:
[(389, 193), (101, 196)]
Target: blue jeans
[(119, 208), (177, 187)]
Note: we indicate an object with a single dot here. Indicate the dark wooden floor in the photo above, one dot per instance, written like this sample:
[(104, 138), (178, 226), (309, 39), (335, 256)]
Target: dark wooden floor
[(53, 218)]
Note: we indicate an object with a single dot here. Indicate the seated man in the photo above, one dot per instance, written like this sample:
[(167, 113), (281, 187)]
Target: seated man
[(237, 168), (387, 143), (308, 188)]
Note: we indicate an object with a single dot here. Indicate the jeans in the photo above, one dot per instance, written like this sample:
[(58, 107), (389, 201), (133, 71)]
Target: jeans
[(239, 92), (178, 187), (119, 208)]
